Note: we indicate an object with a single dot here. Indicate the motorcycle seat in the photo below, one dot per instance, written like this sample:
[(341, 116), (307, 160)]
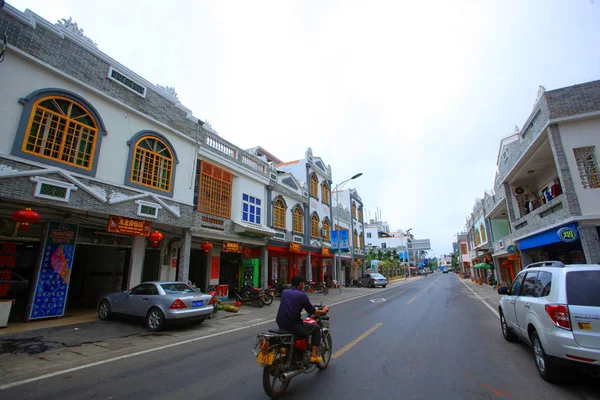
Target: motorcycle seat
[(281, 332)]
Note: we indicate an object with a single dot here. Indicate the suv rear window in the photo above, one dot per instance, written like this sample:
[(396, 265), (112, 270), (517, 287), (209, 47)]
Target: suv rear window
[(582, 288)]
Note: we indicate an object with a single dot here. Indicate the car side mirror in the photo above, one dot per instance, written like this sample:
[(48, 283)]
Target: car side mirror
[(126, 292), (503, 290)]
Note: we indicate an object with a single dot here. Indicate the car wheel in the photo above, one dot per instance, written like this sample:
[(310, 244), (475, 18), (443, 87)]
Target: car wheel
[(104, 310), (371, 285), (155, 320), (508, 334), (547, 369)]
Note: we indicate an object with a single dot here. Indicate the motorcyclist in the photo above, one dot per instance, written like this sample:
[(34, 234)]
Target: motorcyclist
[(289, 315)]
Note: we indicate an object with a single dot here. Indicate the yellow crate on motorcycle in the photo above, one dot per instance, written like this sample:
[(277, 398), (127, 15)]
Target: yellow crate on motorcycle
[(265, 357)]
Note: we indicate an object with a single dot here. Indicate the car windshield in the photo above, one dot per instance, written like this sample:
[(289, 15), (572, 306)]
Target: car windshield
[(170, 288), (582, 288), (378, 276)]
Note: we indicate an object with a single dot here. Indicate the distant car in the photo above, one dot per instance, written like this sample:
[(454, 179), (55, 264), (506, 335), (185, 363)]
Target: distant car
[(555, 308), (158, 303), (445, 271), (373, 280)]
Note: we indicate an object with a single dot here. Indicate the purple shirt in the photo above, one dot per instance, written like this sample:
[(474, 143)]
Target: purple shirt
[(293, 300)]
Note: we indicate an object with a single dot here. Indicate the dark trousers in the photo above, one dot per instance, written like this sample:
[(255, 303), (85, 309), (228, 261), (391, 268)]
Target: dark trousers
[(309, 330)]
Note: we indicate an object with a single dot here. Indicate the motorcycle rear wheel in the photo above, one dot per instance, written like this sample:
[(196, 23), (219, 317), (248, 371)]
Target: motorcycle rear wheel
[(267, 299), (325, 350), (273, 386)]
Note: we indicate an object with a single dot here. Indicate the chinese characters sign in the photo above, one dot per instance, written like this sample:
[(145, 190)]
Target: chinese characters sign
[(52, 283), (128, 226), (295, 247), (231, 247), (8, 258)]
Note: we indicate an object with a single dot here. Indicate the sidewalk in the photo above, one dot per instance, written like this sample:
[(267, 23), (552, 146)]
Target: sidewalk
[(486, 292)]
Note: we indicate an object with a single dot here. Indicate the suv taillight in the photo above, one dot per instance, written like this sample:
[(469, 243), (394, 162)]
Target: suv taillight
[(559, 314), (177, 305)]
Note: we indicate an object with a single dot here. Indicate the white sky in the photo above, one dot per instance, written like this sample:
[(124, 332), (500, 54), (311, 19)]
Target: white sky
[(415, 95)]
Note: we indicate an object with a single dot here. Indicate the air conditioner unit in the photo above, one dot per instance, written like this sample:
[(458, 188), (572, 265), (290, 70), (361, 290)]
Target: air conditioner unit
[(324, 232), (500, 243)]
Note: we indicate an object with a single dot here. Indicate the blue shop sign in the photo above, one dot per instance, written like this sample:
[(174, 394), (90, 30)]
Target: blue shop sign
[(511, 249), (549, 237), (343, 242), (567, 234)]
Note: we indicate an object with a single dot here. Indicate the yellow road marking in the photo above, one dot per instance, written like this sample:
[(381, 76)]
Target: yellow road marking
[(411, 300), (355, 341)]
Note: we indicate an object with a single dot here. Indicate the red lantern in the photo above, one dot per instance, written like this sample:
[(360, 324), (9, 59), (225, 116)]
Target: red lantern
[(206, 246), (25, 217), (247, 252), (156, 237)]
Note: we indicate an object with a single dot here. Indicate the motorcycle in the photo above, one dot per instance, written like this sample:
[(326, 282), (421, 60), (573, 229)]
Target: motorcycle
[(277, 288), (312, 286), (284, 356), (250, 294)]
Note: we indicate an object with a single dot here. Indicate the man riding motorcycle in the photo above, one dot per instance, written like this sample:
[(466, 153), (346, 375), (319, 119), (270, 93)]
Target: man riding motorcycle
[(289, 315)]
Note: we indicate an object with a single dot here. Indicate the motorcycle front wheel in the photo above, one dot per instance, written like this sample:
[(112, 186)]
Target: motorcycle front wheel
[(274, 387), (267, 299), (325, 349)]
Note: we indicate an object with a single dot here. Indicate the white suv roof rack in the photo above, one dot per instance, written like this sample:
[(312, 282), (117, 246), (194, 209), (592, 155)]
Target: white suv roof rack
[(556, 264)]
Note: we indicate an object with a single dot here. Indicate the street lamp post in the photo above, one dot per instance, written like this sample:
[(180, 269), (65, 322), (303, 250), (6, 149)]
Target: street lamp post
[(338, 264)]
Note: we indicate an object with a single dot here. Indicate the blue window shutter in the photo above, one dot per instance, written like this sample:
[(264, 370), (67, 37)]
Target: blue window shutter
[(245, 197)]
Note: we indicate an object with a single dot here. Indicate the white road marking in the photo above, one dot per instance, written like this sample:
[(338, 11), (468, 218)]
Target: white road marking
[(381, 300), (138, 353), (481, 299)]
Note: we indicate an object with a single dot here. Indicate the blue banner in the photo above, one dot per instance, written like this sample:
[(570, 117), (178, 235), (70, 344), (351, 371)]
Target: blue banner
[(334, 240), (52, 283), (403, 255)]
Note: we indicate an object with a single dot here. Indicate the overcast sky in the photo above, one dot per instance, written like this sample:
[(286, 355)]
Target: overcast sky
[(415, 95)]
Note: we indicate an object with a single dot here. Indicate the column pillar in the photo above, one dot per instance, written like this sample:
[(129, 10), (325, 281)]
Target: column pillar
[(185, 252), (264, 270), (588, 234), (136, 261)]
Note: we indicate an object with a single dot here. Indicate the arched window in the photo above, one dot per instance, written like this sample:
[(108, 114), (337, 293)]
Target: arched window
[(61, 128), (297, 223), (314, 226), (362, 240), (477, 237), (314, 185), (325, 192), (279, 209), (355, 239), (152, 164), (326, 228), (353, 210), (360, 214), (482, 229)]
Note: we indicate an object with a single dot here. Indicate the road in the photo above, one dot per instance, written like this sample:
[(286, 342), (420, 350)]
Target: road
[(431, 339)]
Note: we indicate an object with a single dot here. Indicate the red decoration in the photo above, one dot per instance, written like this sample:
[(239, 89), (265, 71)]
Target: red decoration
[(156, 237), (206, 246), (247, 252), (25, 217)]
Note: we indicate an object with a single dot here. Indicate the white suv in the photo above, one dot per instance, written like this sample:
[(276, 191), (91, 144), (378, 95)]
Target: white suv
[(555, 308)]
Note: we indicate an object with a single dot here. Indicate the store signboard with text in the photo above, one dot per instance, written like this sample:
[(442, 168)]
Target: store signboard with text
[(128, 226)]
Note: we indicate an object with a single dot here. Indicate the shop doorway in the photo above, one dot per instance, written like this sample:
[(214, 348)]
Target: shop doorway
[(151, 268), (197, 273), (18, 263), (97, 270), (230, 272)]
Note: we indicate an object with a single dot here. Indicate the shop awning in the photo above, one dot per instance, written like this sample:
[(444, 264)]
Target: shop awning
[(483, 266), (252, 229)]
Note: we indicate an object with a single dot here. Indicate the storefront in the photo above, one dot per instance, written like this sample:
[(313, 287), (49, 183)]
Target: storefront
[(561, 244), (285, 261), (322, 264)]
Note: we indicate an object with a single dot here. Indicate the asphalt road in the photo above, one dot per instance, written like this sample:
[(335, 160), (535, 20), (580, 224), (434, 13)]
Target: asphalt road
[(431, 339)]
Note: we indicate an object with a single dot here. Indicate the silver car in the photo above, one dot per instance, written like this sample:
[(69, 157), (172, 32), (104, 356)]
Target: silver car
[(157, 302), (555, 308), (372, 280)]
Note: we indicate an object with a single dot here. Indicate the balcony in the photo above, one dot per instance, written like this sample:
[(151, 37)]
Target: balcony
[(218, 145)]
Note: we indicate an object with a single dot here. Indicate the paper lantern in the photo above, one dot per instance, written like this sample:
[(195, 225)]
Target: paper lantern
[(25, 217), (247, 252), (206, 246), (156, 237)]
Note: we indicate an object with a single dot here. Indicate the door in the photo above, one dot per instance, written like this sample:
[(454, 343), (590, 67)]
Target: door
[(140, 299), (509, 309), (524, 302), (151, 268)]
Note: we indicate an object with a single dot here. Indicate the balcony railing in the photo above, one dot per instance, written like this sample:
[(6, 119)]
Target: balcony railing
[(248, 160), (226, 148), (554, 205), (221, 146)]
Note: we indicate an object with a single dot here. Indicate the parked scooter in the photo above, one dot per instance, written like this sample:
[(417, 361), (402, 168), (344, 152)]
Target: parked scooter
[(250, 294), (312, 286)]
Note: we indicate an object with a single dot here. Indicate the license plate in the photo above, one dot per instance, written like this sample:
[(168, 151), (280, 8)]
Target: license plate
[(266, 357), (585, 326), (198, 303)]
